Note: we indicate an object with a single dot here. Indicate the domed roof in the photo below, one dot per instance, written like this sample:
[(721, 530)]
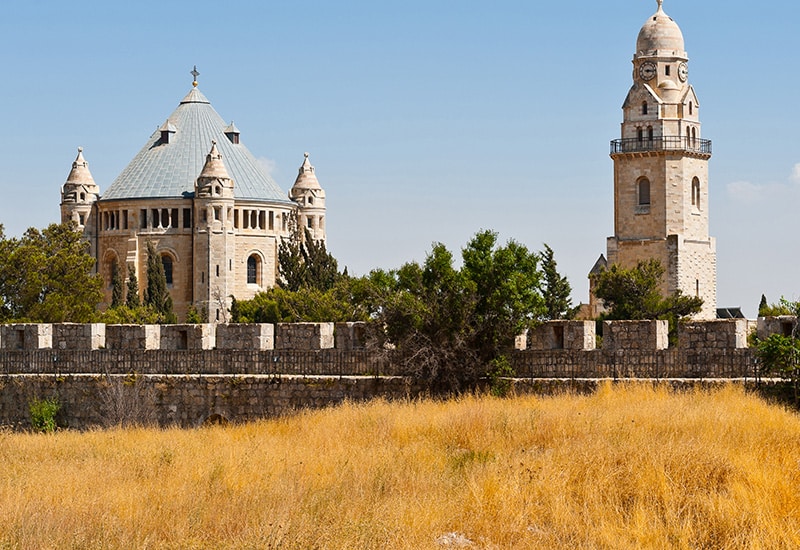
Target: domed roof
[(660, 33), (167, 169)]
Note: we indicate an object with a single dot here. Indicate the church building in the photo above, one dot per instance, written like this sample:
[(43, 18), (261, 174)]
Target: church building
[(661, 191), (196, 192)]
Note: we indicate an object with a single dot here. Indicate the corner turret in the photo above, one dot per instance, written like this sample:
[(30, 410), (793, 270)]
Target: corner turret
[(310, 199)]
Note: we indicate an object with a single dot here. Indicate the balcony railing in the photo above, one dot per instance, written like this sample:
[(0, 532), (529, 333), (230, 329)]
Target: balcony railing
[(662, 143)]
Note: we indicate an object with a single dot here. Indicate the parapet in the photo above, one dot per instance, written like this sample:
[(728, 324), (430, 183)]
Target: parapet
[(79, 336), (133, 337), (635, 335), (350, 336), (569, 335), (26, 336), (720, 334), (188, 337), (250, 336), (304, 336), (783, 324)]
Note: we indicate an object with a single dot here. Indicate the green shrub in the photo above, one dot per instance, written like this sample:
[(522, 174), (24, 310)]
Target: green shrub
[(500, 371), (43, 414)]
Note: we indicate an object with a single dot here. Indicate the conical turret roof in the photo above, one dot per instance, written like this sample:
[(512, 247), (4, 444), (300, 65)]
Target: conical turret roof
[(167, 170), (80, 174), (306, 178)]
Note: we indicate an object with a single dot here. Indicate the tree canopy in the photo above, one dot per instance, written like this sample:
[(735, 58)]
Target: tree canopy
[(556, 289), (633, 294), (47, 277)]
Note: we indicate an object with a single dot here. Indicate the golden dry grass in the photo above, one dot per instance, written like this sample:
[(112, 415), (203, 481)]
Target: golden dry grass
[(628, 467)]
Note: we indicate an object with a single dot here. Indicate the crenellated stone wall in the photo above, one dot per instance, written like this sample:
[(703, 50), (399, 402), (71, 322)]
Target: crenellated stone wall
[(79, 336), (573, 335), (350, 336), (783, 324), (635, 335), (26, 336), (306, 336), (256, 336), (188, 337), (133, 337), (724, 334)]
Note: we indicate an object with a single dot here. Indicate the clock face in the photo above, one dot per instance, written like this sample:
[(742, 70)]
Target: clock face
[(683, 72), (647, 70)]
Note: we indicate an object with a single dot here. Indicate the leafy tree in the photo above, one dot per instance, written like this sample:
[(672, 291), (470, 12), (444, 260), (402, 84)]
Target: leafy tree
[(783, 307), (633, 294), (117, 286), (780, 355), (556, 289), (132, 299), (449, 325), (46, 277), (156, 295)]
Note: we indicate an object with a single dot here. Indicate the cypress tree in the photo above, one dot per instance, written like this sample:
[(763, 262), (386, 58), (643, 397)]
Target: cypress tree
[(117, 286), (156, 294), (132, 299), (557, 288)]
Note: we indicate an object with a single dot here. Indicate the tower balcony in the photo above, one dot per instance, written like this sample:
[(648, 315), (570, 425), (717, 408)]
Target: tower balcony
[(661, 143)]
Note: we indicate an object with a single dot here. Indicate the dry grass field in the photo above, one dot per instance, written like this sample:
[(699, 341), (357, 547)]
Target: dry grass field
[(628, 467)]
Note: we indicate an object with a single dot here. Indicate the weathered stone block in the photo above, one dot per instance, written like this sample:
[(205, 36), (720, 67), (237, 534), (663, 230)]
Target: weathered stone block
[(720, 334), (571, 335), (188, 337), (350, 336), (635, 335), (257, 336), (304, 336), (133, 337), (783, 324), (26, 336), (79, 336)]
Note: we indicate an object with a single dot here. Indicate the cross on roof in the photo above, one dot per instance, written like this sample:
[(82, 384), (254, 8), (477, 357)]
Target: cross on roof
[(194, 74)]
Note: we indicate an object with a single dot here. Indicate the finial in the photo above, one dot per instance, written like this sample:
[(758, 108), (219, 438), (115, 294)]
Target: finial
[(213, 143), (660, 5), (80, 149), (305, 155), (195, 74)]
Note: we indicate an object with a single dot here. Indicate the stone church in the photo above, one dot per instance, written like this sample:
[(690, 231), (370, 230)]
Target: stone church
[(661, 191), (196, 192)]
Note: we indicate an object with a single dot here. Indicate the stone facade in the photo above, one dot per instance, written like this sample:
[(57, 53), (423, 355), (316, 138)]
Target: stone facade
[(255, 336), (635, 335), (572, 335), (188, 337), (307, 336), (704, 335)]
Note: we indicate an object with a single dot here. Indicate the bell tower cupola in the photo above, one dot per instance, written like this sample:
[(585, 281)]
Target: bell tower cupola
[(661, 187), (310, 198)]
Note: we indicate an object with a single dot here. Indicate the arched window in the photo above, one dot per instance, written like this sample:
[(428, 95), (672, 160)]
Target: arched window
[(649, 133), (253, 269), (691, 108), (694, 136), (696, 193), (643, 191), (639, 134), (166, 261), (644, 108)]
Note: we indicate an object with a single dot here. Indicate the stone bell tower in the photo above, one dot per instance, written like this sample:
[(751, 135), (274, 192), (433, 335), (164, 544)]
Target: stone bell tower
[(661, 195)]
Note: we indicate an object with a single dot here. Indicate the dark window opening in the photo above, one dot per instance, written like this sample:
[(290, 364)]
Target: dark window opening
[(187, 218), (166, 261), (644, 108), (644, 192), (667, 70), (252, 270)]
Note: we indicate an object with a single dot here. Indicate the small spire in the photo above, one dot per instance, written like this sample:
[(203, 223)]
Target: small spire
[(660, 5), (195, 73)]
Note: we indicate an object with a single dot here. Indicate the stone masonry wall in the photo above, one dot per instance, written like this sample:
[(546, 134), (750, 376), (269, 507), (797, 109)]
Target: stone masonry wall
[(307, 336), (256, 336), (133, 337), (727, 334), (575, 335), (635, 335), (79, 336), (26, 336)]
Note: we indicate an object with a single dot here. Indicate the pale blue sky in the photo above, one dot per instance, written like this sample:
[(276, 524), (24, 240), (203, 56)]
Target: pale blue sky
[(426, 120)]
